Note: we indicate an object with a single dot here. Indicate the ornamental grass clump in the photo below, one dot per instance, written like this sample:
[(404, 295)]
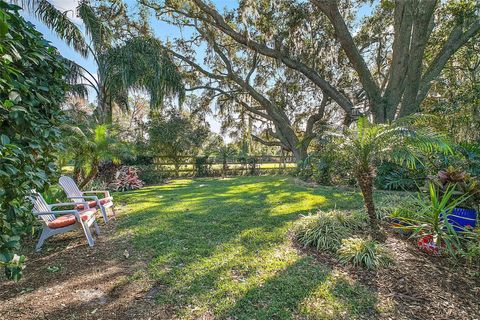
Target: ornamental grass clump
[(326, 229), (362, 252)]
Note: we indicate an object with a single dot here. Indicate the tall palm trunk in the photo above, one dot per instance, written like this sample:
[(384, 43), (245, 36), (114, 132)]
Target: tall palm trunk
[(365, 182), (93, 173)]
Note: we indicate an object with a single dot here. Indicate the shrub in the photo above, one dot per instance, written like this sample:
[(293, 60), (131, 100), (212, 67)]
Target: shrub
[(107, 172), (32, 87), (149, 174), (396, 205), (392, 176), (364, 252), (203, 166), (472, 255), (325, 230), (127, 179)]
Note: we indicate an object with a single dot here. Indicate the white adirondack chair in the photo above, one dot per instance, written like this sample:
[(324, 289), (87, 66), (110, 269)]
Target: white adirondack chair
[(74, 193), (61, 221)]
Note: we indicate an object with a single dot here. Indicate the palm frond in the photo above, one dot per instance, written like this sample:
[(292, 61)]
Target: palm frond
[(72, 130), (99, 32), (141, 64), (75, 72), (58, 22), (79, 90)]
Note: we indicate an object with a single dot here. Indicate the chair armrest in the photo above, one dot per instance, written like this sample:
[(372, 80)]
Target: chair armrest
[(85, 197), (64, 204), (105, 192), (60, 212)]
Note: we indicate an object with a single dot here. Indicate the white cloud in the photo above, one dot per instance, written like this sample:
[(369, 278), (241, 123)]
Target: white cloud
[(69, 6)]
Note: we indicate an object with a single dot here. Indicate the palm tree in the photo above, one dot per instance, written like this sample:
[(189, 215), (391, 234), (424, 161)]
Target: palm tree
[(88, 147), (367, 144), (137, 63)]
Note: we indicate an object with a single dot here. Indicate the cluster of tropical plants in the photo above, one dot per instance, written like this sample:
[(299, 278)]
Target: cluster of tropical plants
[(32, 86), (342, 234), (127, 179), (367, 144), (433, 218)]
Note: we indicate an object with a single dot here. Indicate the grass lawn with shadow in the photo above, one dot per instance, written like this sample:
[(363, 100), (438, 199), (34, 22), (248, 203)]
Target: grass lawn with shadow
[(219, 248)]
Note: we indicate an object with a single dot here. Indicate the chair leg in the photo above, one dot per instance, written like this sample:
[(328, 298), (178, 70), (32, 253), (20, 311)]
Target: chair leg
[(114, 212), (97, 229), (88, 234), (104, 213), (42, 239)]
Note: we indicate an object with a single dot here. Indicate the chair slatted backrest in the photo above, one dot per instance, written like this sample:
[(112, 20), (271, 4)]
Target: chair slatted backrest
[(40, 205), (70, 188)]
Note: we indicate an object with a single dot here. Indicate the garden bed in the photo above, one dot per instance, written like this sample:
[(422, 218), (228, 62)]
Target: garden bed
[(416, 286)]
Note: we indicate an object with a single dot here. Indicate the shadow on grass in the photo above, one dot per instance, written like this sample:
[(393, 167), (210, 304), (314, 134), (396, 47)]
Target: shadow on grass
[(304, 287), (219, 244)]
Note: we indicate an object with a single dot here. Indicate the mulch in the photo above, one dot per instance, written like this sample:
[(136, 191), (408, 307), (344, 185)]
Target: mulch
[(416, 286), (69, 280)]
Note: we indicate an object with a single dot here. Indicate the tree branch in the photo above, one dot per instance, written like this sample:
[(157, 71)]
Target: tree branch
[(455, 41), (330, 9), (268, 143), (219, 23)]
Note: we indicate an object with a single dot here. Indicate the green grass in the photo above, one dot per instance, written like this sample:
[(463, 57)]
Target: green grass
[(221, 247)]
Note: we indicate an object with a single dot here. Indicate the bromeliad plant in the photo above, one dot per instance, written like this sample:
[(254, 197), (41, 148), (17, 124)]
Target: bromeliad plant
[(127, 179), (367, 144), (464, 183)]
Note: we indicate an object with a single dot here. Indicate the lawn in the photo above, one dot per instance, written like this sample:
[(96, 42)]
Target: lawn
[(220, 248)]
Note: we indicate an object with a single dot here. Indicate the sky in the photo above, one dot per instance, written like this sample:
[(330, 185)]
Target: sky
[(162, 30)]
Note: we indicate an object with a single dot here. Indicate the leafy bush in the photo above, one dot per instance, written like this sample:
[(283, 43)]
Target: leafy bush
[(203, 166), (364, 252), (127, 179), (107, 172), (325, 230), (472, 255), (398, 204), (149, 174), (324, 165), (391, 176), (32, 87)]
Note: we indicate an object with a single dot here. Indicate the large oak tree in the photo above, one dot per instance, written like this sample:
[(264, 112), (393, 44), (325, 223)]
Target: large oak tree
[(406, 73)]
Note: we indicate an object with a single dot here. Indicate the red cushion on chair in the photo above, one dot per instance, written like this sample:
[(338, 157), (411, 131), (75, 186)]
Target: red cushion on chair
[(93, 203), (69, 219)]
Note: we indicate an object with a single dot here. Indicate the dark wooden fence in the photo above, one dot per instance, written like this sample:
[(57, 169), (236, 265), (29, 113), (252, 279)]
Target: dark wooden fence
[(217, 166)]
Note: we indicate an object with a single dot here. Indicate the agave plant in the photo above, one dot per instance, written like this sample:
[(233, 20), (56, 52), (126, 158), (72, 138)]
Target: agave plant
[(136, 63), (367, 144)]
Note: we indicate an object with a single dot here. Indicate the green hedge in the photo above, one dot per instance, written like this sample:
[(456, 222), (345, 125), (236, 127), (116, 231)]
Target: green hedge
[(32, 88)]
